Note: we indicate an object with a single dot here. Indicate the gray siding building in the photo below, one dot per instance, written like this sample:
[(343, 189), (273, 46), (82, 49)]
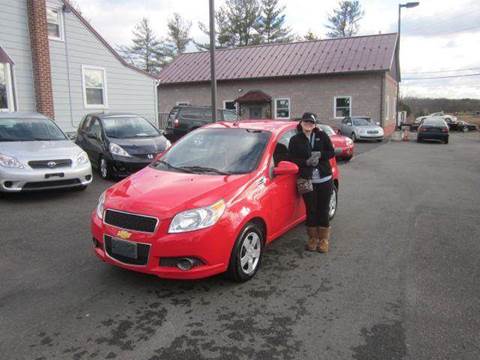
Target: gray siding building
[(334, 78), (54, 62)]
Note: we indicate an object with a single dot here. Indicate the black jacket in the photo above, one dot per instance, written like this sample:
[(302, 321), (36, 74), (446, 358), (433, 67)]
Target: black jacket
[(300, 150)]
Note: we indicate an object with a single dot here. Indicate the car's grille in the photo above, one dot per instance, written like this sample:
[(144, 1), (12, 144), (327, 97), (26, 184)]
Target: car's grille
[(50, 164), (50, 184), (130, 221), (372, 132), (145, 156), (142, 253)]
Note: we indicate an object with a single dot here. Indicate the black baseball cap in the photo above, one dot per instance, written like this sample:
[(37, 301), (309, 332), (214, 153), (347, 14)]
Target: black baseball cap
[(310, 117)]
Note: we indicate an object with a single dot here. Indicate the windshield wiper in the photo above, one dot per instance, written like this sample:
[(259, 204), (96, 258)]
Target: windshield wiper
[(170, 166), (205, 169)]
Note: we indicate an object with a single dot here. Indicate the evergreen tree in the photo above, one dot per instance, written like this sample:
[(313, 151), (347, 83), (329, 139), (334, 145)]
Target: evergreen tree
[(147, 52), (178, 34), (311, 36), (271, 24), (344, 20)]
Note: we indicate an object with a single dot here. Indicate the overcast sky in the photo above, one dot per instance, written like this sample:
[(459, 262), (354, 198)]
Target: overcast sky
[(437, 36)]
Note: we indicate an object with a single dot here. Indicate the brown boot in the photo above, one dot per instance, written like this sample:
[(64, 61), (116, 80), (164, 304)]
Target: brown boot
[(313, 240), (324, 237)]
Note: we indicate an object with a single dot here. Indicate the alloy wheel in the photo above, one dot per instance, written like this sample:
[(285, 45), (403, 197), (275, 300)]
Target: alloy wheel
[(103, 168), (250, 253), (332, 207)]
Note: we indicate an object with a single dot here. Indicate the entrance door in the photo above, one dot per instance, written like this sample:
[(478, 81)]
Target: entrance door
[(255, 112)]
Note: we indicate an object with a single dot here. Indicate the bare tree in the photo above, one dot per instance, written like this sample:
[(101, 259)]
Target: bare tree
[(344, 20)]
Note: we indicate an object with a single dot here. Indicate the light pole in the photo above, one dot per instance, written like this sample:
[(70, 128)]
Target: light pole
[(212, 61), (400, 6)]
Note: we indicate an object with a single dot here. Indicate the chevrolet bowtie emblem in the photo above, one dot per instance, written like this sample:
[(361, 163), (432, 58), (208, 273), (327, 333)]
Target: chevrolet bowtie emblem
[(122, 234)]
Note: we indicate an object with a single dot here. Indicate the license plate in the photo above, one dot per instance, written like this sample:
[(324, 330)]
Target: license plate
[(124, 248), (372, 132)]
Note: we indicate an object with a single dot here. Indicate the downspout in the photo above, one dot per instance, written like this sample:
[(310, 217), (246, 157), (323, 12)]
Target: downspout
[(382, 100), (66, 10), (155, 94)]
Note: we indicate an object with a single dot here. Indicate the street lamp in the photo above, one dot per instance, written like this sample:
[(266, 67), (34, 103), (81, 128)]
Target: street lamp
[(400, 6)]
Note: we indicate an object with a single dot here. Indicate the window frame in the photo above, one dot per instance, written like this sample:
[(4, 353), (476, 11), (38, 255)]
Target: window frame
[(289, 108), (335, 106), (60, 19), (231, 101), (9, 87), (84, 88)]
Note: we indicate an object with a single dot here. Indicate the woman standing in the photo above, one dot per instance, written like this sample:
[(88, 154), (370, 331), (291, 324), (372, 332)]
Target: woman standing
[(311, 149)]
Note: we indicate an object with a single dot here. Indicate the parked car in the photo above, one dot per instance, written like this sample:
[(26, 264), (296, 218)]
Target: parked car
[(185, 118), (361, 128), (451, 120), (36, 155), (119, 144), (466, 127), (344, 146), (433, 128), (208, 205)]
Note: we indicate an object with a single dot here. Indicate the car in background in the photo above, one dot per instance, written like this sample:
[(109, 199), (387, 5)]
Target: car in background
[(209, 205), (361, 128), (466, 127), (119, 144), (344, 146), (185, 118), (451, 120), (433, 128), (36, 155)]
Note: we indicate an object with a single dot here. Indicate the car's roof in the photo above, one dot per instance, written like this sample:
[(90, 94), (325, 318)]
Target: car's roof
[(274, 126), (103, 115), (22, 115)]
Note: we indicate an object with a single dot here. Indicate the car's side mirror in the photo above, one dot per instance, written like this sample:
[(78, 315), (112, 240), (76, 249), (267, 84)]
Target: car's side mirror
[(285, 168), (72, 136)]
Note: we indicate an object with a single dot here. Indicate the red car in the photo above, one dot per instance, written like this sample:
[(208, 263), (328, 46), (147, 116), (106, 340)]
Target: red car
[(206, 206), (343, 145)]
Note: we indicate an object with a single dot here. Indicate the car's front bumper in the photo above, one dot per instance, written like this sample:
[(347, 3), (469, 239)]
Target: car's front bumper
[(211, 246), (370, 136), (123, 166), (345, 153), (16, 180)]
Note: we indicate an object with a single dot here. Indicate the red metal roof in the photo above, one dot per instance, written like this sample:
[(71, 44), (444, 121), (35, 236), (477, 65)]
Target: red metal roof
[(331, 56)]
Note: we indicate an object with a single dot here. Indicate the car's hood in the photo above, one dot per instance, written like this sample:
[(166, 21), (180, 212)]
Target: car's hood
[(163, 194), (148, 145), (369, 127), (338, 140), (40, 150)]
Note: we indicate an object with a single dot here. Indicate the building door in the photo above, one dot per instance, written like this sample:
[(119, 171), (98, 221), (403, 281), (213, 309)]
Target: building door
[(255, 112)]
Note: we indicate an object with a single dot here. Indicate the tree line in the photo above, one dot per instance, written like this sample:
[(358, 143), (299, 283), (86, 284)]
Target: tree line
[(424, 106), (238, 23)]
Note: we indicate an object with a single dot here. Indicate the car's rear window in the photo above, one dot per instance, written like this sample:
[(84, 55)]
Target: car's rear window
[(192, 114), (434, 122)]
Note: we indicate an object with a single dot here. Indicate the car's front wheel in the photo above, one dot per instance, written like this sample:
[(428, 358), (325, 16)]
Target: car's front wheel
[(247, 253), (353, 137), (332, 207), (105, 169)]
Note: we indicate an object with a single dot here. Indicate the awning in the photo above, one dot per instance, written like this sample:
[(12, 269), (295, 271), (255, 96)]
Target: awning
[(254, 96), (4, 58)]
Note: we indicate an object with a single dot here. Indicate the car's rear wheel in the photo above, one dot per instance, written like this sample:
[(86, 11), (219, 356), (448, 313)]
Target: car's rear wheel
[(104, 168), (332, 207), (247, 253), (446, 141)]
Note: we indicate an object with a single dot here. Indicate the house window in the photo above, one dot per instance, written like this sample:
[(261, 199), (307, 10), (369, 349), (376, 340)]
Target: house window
[(55, 24), (282, 108), (6, 91), (94, 87), (342, 106), (229, 105)]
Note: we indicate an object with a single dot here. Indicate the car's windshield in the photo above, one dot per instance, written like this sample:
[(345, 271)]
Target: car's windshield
[(216, 151), (123, 127), (29, 130), (328, 130), (362, 121)]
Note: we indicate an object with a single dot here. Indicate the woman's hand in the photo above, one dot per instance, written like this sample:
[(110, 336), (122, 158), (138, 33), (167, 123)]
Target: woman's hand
[(312, 161)]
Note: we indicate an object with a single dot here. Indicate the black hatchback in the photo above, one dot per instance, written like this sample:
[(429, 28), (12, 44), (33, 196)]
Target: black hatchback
[(119, 144)]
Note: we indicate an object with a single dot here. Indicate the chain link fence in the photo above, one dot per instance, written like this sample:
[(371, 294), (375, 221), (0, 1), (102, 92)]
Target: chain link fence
[(162, 120)]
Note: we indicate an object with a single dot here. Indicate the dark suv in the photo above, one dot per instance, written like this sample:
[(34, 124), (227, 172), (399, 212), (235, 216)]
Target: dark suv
[(185, 118)]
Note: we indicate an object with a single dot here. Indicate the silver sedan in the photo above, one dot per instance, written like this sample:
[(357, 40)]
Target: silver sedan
[(36, 155), (361, 128)]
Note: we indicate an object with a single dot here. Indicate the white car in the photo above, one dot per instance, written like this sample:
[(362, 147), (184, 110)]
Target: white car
[(36, 155), (449, 119)]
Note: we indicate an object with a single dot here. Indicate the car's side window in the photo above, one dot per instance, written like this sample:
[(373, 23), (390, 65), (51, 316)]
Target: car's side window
[(281, 149), (95, 128), (86, 123)]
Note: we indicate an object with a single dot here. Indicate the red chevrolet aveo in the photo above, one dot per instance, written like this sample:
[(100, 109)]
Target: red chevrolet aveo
[(208, 205)]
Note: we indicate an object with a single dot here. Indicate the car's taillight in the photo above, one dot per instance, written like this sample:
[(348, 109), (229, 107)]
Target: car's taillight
[(176, 123), (423, 129), (444, 129)]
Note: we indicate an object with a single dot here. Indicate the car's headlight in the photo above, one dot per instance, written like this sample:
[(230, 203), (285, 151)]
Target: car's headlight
[(82, 158), (10, 162), (196, 219), (349, 141), (100, 205), (118, 150)]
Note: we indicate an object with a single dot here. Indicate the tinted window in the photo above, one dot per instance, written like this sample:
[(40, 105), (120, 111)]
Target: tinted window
[(362, 122), (192, 114), (281, 149), (233, 151), (128, 127), (29, 130), (434, 122)]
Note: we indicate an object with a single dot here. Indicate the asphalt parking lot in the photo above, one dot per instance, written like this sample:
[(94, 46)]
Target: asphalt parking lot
[(400, 282)]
